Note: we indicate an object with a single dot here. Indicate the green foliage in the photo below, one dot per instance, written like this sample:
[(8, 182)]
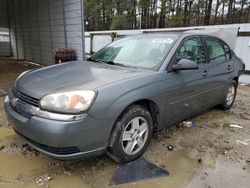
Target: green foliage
[(135, 14), (119, 22), (175, 21)]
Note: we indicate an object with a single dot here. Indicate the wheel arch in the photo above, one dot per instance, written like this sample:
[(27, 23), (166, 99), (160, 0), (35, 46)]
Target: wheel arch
[(148, 104), (152, 107), (236, 78)]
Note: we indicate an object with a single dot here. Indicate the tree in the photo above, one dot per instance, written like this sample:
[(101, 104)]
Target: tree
[(222, 13), (119, 22), (218, 3), (229, 12), (125, 14), (163, 14), (208, 11)]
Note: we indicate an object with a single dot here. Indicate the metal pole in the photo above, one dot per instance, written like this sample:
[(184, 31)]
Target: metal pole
[(91, 43), (50, 32), (140, 21), (9, 20), (64, 25), (83, 30), (13, 10), (29, 30), (39, 31)]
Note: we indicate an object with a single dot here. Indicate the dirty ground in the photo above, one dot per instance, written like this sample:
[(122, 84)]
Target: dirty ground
[(210, 154)]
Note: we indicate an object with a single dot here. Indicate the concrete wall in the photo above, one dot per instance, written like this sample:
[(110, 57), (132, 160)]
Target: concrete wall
[(39, 26), (4, 30)]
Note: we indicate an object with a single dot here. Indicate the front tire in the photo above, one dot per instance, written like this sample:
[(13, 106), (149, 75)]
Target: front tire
[(230, 96), (131, 134)]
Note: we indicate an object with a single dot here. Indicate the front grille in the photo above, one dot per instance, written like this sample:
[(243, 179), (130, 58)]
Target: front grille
[(59, 151), (30, 100), (25, 114)]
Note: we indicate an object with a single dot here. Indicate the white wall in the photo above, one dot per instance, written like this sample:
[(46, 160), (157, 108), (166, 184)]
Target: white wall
[(243, 50)]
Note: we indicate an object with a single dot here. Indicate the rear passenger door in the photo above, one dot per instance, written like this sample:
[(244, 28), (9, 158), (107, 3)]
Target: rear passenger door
[(220, 68)]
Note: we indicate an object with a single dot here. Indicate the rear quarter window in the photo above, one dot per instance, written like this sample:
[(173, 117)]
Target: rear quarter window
[(218, 51)]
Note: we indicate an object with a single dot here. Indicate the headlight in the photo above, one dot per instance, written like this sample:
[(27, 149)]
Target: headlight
[(73, 102)]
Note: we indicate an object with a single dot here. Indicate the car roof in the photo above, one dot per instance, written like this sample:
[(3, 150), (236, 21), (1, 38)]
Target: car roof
[(227, 35), (176, 35), (161, 34), (157, 34)]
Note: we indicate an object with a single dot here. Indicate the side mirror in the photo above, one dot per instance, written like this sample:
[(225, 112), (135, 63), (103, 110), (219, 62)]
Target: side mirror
[(185, 64)]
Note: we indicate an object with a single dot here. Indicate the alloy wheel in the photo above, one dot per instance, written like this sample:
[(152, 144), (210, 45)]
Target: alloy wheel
[(135, 135), (230, 95)]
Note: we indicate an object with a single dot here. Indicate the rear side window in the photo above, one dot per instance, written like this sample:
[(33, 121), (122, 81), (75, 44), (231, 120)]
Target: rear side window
[(218, 51)]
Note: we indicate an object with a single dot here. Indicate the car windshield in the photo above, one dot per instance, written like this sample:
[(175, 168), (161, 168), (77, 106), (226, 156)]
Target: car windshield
[(140, 51)]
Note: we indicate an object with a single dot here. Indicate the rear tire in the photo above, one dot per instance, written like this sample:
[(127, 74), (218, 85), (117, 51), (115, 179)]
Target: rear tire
[(131, 134), (230, 96)]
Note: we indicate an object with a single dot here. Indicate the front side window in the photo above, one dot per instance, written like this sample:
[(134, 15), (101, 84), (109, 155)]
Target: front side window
[(141, 51), (191, 49), (217, 50)]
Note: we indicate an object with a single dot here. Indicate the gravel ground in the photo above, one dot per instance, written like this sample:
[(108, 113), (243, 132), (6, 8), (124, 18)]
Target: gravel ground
[(212, 154)]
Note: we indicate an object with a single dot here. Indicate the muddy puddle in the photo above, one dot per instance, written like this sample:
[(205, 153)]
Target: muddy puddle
[(181, 171), (40, 171), (226, 173)]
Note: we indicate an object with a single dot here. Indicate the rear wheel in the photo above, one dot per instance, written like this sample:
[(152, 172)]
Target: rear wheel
[(230, 96), (131, 134)]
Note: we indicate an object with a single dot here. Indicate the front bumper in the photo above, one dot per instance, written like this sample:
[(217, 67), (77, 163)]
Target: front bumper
[(62, 139)]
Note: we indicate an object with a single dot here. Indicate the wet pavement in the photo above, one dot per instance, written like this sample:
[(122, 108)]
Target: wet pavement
[(207, 155)]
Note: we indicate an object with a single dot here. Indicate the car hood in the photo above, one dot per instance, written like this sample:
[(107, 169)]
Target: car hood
[(78, 75)]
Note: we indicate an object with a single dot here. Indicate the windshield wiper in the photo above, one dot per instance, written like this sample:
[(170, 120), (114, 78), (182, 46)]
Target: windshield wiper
[(101, 61), (117, 64), (94, 60), (110, 63)]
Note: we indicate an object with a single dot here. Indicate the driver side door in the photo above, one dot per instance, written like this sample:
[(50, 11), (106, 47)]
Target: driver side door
[(187, 88)]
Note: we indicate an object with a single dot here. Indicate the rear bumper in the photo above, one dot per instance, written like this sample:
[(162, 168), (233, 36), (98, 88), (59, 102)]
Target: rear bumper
[(62, 139)]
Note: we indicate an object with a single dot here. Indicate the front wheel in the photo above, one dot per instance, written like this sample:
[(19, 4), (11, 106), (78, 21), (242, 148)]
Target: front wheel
[(131, 134), (230, 96)]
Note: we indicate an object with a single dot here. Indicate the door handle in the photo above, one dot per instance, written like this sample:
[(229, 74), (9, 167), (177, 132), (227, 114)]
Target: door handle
[(205, 73)]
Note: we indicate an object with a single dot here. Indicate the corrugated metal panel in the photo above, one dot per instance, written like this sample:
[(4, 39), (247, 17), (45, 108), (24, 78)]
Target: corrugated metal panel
[(34, 31), (74, 25), (40, 26), (45, 32), (5, 49)]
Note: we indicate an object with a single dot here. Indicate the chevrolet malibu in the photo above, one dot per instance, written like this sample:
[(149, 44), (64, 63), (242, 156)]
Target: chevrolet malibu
[(115, 100)]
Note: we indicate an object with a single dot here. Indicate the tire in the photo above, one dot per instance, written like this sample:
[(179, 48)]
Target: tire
[(229, 98), (128, 141)]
